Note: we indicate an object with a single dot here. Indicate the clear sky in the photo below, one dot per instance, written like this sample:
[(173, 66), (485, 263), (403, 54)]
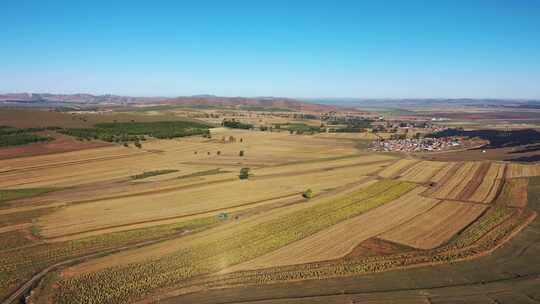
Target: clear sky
[(332, 48)]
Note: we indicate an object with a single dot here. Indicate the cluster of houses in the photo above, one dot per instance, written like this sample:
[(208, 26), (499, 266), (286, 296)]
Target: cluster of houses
[(416, 144)]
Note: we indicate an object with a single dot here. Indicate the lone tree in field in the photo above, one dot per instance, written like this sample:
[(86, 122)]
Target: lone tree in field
[(241, 153), (138, 144), (218, 152), (244, 173), (308, 194)]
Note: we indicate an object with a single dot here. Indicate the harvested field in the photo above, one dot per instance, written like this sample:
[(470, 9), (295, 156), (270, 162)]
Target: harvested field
[(521, 170), (424, 171), (174, 214), (397, 168), (217, 251), (230, 194), (514, 193), (473, 181), (446, 172), (60, 144), (340, 239), (187, 155), (454, 186), (489, 186), (435, 227)]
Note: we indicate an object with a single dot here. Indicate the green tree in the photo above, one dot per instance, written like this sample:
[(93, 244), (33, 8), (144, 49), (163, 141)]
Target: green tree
[(241, 153), (244, 173), (308, 194)]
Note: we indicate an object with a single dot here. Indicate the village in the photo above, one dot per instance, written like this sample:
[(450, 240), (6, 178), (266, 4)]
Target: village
[(416, 144)]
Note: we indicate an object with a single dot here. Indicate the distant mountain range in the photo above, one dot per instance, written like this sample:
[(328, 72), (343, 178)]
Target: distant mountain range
[(72, 98), (312, 104), (411, 103), (56, 100)]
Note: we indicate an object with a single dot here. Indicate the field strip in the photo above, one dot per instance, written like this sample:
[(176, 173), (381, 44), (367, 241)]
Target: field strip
[(106, 213), (437, 226), (135, 225), (70, 163), (282, 201), (206, 183), (294, 173), (423, 171), (24, 209), (514, 193), (15, 227), (521, 170), (338, 240), (472, 185), (453, 186), (395, 169), (488, 189)]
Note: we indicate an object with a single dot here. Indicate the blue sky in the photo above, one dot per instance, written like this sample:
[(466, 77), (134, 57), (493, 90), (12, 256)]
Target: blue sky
[(281, 48)]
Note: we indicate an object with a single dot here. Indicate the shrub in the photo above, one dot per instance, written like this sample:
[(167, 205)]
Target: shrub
[(308, 194), (244, 173)]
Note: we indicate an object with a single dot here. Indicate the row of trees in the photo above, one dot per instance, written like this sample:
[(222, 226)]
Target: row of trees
[(136, 131), (10, 136), (234, 124)]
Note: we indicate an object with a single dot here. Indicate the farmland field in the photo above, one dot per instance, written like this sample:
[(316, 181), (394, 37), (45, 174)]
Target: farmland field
[(119, 223)]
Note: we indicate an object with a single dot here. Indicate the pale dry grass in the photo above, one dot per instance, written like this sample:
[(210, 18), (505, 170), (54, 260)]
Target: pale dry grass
[(342, 238), (437, 226)]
